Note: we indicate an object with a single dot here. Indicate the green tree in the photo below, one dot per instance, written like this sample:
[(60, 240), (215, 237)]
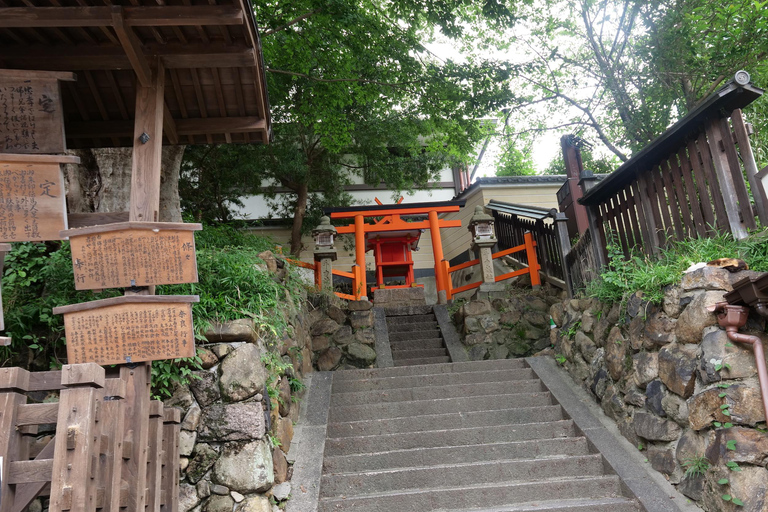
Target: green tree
[(598, 165), (354, 92), (515, 162)]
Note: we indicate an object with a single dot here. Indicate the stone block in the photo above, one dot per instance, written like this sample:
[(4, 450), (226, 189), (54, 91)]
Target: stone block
[(242, 374), (246, 468), (717, 349), (361, 319), (662, 459), (337, 315), (229, 332), (233, 422), (748, 485), (329, 359), (363, 354), (646, 367), (205, 388), (203, 458), (615, 353), (320, 343), (477, 308), (654, 394), (744, 405), (324, 326), (651, 427), (360, 305), (695, 317), (713, 278), (207, 358), (677, 368), (344, 335), (751, 447)]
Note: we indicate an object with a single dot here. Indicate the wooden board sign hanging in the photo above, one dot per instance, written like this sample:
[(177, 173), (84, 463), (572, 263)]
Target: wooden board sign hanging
[(32, 197), (129, 329), (126, 254), (31, 115)]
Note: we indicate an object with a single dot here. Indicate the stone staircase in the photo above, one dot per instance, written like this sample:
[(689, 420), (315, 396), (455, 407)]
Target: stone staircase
[(416, 339), (453, 437)]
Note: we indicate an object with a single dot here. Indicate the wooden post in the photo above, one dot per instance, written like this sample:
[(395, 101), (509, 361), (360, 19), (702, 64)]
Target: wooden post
[(361, 288), (725, 178), (573, 169), (4, 249), (598, 238), (533, 262), (145, 204), (169, 486), (77, 436), (448, 281), (112, 426), (437, 251), (13, 381), (564, 247), (155, 455), (748, 157)]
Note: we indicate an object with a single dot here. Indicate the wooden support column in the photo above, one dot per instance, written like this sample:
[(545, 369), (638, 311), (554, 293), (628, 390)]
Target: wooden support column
[(13, 381), (155, 463), (77, 436), (362, 288), (145, 204), (112, 426), (725, 178), (748, 157), (437, 251), (170, 480), (564, 247), (533, 263)]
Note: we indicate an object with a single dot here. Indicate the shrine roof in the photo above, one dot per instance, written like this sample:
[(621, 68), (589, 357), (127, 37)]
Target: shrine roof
[(209, 50), (376, 210)]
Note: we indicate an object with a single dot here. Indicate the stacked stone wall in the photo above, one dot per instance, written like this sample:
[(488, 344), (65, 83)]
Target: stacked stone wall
[(677, 388)]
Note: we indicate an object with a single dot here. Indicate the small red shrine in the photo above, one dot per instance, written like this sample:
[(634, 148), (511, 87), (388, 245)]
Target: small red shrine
[(393, 238)]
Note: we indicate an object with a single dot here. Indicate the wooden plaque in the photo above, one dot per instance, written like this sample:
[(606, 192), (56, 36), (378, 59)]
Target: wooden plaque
[(32, 200), (128, 254), (129, 329), (31, 116)]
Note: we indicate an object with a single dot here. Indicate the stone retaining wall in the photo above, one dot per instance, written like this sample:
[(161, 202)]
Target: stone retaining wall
[(676, 386)]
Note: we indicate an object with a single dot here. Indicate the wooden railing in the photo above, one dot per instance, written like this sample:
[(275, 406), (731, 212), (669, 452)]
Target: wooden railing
[(528, 247), (688, 183), (81, 467), (580, 262)]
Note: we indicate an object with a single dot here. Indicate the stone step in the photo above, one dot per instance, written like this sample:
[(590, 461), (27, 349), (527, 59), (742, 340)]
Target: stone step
[(468, 496), (433, 392), (418, 310), (400, 355), (412, 326), (455, 420), (374, 411), (449, 437), (415, 381), (421, 361), (417, 344), (537, 448), (414, 335), (410, 319), (578, 505), (470, 366), (526, 470)]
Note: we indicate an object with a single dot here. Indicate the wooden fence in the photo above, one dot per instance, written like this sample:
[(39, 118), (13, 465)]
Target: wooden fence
[(512, 222), (82, 466), (688, 183), (580, 262)]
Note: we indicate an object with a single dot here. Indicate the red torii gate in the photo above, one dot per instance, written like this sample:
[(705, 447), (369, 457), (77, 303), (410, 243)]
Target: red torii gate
[(391, 221)]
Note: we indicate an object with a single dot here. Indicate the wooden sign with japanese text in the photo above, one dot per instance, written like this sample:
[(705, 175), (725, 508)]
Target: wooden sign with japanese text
[(32, 198), (31, 116), (127, 254), (129, 329)]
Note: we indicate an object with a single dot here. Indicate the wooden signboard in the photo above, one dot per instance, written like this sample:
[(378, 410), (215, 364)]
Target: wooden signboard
[(31, 117), (32, 197), (129, 329), (128, 254)]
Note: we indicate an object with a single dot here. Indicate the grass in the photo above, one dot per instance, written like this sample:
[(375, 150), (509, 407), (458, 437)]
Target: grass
[(623, 277)]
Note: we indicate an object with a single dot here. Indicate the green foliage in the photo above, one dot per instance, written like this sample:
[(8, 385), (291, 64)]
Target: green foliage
[(695, 466), (625, 276), (560, 358), (515, 162), (596, 164), (733, 466), (39, 277)]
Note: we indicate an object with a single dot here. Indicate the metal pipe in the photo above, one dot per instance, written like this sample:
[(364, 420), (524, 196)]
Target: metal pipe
[(732, 317)]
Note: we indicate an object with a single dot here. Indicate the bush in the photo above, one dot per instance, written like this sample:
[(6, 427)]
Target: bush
[(39, 277), (623, 277)]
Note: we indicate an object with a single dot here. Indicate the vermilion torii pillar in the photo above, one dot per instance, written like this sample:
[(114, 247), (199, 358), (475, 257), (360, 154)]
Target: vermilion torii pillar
[(390, 220)]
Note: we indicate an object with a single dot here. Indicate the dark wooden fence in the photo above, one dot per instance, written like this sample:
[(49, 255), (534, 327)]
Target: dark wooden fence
[(513, 221), (580, 262), (688, 183)]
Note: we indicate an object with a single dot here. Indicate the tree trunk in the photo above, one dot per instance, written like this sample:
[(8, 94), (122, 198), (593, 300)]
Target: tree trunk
[(101, 183), (302, 195)]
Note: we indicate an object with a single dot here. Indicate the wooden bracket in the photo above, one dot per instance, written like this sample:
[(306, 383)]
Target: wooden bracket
[(132, 47)]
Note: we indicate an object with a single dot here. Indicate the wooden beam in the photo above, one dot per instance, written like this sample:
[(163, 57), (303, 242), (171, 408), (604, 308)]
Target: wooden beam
[(15, 74), (139, 16), (89, 57), (132, 47), (169, 126), (184, 127)]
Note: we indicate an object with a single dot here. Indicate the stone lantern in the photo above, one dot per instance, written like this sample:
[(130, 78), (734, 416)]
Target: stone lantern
[(484, 238), (325, 252)]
